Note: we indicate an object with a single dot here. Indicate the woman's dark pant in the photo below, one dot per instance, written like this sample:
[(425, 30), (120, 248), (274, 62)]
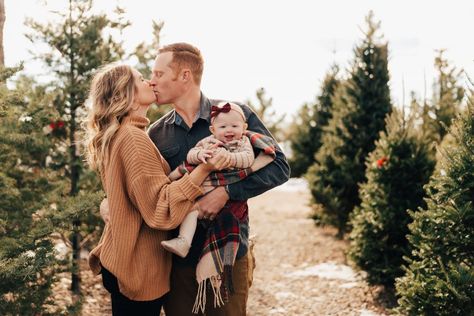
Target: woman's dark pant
[(123, 306)]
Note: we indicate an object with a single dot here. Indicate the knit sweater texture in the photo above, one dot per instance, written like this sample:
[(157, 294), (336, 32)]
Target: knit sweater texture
[(143, 205), (240, 151)]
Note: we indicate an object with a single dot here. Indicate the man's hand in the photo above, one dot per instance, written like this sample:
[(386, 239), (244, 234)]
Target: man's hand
[(211, 203), (104, 210)]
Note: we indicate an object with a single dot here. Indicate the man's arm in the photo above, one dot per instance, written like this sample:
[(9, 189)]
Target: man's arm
[(274, 174)]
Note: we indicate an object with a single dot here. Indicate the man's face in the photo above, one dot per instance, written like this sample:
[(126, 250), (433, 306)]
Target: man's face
[(165, 80)]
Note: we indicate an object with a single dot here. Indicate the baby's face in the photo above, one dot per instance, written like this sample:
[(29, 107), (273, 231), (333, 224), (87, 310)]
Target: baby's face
[(229, 126)]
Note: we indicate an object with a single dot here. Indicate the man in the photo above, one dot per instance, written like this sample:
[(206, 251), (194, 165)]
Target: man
[(176, 80)]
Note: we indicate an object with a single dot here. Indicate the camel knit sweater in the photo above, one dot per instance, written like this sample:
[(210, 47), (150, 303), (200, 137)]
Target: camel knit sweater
[(143, 205)]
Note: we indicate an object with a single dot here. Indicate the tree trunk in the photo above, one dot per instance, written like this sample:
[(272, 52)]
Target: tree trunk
[(74, 165), (2, 23), (74, 176)]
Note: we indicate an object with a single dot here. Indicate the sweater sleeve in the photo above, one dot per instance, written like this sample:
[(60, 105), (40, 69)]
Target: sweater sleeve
[(192, 156), (162, 204), (244, 157)]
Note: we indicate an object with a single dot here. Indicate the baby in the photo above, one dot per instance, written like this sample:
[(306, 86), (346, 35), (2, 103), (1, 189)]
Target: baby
[(228, 126)]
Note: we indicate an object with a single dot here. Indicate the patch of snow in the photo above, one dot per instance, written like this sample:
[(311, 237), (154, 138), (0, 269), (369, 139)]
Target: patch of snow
[(84, 254), (62, 250), (366, 312), (283, 295), (286, 265), (349, 285), (293, 185), (327, 270), (276, 310)]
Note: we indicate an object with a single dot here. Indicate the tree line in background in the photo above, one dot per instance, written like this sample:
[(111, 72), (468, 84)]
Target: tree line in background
[(367, 163), (397, 181)]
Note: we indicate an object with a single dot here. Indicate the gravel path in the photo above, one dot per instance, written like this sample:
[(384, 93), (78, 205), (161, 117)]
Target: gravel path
[(301, 269)]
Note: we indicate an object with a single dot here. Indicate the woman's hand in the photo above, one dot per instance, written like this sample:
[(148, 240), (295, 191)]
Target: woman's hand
[(219, 161), (204, 154), (104, 210)]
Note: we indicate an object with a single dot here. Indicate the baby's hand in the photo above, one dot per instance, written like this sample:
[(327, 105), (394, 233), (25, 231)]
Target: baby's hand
[(204, 154), (214, 143)]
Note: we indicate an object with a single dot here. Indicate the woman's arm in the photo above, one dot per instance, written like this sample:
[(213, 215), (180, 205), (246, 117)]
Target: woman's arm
[(162, 204), (202, 150)]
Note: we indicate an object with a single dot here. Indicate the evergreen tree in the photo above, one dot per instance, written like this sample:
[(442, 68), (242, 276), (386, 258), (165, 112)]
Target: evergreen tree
[(307, 128), (439, 279), (27, 261), (397, 170), (2, 24), (360, 106), (79, 45), (267, 114), (448, 94)]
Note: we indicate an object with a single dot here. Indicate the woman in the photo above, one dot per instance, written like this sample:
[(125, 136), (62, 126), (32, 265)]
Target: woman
[(143, 202)]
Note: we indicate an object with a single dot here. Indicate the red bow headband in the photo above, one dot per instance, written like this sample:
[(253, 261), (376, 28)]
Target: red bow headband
[(215, 110), (226, 108)]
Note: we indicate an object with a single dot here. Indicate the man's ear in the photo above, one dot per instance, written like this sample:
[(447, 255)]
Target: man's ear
[(186, 74)]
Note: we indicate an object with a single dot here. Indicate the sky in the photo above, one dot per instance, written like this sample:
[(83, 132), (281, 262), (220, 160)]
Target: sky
[(286, 47)]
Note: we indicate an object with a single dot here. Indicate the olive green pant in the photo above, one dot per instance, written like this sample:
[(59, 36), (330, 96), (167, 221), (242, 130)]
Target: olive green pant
[(180, 300)]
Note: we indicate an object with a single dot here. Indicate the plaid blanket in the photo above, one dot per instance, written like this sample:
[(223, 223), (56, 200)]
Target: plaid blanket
[(214, 269), (223, 236)]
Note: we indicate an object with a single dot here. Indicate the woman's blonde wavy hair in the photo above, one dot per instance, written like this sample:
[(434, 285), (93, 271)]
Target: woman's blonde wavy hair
[(111, 97)]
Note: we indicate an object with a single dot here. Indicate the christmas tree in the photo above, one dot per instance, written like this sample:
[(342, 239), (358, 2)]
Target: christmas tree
[(439, 279), (360, 107), (78, 46), (266, 113), (397, 170), (307, 128), (27, 261), (448, 94)]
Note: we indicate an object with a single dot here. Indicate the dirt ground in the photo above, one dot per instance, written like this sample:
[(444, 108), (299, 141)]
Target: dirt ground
[(301, 269)]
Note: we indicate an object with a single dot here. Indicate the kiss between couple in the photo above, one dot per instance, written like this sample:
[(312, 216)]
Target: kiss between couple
[(194, 168)]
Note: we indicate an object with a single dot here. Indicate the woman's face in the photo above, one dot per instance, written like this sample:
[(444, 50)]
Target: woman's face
[(144, 94)]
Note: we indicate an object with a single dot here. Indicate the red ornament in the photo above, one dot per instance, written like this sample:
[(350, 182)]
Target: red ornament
[(56, 125), (381, 162)]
